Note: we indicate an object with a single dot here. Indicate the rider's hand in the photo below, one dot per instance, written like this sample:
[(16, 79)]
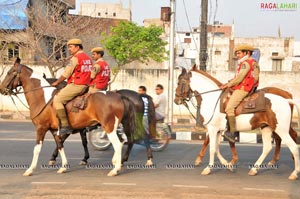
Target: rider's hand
[(55, 83), (224, 86)]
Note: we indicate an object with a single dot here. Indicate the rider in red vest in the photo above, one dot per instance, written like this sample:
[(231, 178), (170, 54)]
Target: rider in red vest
[(100, 74), (78, 75), (242, 84)]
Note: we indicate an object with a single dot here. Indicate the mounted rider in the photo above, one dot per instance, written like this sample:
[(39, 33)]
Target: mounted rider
[(78, 75), (245, 81)]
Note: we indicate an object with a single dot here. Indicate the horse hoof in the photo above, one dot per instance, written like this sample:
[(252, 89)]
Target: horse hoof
[(252, 172), (82, 163), (112, 173), (149, 162), (230, 167), (197, 162), (293, 177), (271, 163), (206, 171), (62, 170), (51, 162), (27, 173)]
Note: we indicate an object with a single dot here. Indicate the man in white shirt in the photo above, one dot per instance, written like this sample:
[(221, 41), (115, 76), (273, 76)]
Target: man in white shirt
[(160, 103)]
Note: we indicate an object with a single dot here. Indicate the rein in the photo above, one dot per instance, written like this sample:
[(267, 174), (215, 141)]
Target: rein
[(15, 93), (34, 89), (199, 94)]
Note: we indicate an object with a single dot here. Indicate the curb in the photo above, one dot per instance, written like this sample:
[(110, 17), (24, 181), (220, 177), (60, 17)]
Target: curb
[(243, 137)]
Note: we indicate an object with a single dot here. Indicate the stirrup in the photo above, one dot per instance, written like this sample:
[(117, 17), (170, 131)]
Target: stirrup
[(229, 136)]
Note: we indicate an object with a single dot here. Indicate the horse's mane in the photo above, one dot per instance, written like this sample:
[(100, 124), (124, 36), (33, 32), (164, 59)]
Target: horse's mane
[(195, 69)]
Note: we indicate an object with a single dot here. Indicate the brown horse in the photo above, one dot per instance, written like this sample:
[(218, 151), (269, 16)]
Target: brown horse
[(108, 109)]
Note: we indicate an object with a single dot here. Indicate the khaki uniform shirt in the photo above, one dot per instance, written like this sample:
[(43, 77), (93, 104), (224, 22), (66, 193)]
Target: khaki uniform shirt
[(240, 76), (71, 66), (96, 68)]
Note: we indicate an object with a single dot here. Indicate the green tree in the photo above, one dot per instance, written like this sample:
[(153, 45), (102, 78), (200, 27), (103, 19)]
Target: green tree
[(129, 42)]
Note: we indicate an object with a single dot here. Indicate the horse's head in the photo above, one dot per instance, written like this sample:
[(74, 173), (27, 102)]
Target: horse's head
[(12, 79), (183, 91)]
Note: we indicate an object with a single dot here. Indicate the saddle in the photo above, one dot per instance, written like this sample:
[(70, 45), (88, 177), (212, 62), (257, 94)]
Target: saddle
[(255, 102), (78, 103)]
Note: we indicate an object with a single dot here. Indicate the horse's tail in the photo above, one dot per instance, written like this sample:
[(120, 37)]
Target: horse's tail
[(129, 119), (297, 108), (151, 117)]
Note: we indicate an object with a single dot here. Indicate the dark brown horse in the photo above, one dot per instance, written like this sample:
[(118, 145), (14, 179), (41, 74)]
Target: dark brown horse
[(107, 109), (138, 135)]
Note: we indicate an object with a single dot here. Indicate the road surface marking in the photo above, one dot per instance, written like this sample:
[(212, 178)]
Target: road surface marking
[(256, 189), (119, 184), (190, 186), (48, 183)]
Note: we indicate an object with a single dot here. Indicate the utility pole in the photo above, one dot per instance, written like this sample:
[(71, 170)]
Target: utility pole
[(203, 35), (171, 63)]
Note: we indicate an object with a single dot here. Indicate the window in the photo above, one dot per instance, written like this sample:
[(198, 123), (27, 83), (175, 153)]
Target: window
[(13, 52), (276, 64), (217, 52), (99, 14), (187, 40), (274, 54), (114, 14), (187, 34)]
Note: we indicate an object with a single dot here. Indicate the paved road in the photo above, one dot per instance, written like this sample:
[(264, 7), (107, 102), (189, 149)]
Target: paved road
[(167, 180)]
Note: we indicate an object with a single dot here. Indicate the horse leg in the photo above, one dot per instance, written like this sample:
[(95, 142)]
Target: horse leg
[(201, 154), (36, 151), (234, 154), (117, 144), (52, 161), (219, 155), (295, 151), (294, 136), (212, 150), (84, 144), (126, 155), (149, 150), (267, 147), (277, 150), (60, 147)]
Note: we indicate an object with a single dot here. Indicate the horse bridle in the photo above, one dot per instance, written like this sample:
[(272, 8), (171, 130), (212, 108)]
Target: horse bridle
[(9, 89), (195, 94), (14, 81)]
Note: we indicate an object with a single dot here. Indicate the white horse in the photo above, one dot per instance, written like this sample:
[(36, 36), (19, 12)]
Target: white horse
[(277, 118)]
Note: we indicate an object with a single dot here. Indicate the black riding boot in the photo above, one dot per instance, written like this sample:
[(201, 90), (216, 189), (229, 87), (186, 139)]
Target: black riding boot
[(230, 133), (64, 123)]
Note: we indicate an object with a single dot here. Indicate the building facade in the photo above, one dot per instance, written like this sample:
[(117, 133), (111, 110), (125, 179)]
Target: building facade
[(277, 53), (106, 10)]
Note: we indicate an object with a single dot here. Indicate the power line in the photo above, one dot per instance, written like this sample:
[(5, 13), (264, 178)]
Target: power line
[(188, 20), (213, 35)]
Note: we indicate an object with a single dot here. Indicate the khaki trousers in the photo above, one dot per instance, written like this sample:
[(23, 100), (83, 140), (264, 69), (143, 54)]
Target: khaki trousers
[(93, 89), (66, 94), (235, 99)]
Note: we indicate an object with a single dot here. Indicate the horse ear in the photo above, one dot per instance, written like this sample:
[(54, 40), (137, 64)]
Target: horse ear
[(18, 60), (183, 71), (194, 67)]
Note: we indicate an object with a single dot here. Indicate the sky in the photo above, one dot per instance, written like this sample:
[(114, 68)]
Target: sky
[(249, 18)]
